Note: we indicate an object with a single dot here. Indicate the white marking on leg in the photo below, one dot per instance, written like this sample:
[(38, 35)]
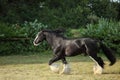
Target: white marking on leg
[(54, 67), (66, 69), (97, 68)]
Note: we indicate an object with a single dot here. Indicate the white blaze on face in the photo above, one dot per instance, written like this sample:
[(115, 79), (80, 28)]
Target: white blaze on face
[(97, 68), (35, 40)]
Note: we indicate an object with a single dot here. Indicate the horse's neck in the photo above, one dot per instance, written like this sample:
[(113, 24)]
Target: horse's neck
[(53, 40)]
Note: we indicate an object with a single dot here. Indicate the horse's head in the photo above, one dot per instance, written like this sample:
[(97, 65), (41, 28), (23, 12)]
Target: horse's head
[(39, 38), (42, 35)]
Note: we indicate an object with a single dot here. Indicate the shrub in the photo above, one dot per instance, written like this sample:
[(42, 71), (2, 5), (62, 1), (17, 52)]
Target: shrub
[(26, 34)]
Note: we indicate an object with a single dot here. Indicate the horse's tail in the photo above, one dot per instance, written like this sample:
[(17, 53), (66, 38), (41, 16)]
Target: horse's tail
[(108, 53)]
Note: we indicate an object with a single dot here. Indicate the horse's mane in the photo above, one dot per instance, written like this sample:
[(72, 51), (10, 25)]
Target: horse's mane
[(54, 31), (57, 32)]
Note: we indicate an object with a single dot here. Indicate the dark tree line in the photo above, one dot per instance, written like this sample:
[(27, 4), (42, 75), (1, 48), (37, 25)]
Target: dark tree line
[(57, 13)]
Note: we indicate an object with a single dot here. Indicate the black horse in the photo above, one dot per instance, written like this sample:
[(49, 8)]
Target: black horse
[(64, 47)]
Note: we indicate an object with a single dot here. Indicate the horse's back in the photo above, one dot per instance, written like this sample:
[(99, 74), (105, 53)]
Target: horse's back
[(90, 44), (74, 47)]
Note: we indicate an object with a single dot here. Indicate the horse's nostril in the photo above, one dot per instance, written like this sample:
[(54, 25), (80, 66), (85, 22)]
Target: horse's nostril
[(35, 42)]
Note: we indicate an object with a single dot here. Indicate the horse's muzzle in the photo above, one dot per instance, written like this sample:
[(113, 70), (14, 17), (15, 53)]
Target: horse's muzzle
[(35, 44)]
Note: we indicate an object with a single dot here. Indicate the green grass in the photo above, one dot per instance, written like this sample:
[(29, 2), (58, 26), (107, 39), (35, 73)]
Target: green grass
[(35, 67)]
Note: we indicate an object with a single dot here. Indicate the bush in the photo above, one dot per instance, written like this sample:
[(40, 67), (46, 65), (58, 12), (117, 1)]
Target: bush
[(24, 36)]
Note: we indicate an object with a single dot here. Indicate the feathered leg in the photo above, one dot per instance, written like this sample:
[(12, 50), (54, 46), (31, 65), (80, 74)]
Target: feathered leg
[(66, 67)]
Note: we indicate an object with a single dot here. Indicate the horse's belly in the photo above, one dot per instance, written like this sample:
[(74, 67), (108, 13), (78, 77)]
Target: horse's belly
[(72, 52), (70, 55)]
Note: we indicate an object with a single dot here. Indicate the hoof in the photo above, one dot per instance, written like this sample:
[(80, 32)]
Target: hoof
[(97, 69), (54, 68), (66, 69)]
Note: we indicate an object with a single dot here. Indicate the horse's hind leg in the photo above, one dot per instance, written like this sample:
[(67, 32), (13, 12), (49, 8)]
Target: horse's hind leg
[(91, 50), (66, 67), (99, 64)]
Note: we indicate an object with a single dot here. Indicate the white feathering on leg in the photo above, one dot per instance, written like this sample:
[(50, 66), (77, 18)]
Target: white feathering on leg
[(54, 68), (97, 68), (66, 69)]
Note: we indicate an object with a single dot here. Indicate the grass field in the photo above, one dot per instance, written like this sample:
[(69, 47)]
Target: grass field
[(35, 67)]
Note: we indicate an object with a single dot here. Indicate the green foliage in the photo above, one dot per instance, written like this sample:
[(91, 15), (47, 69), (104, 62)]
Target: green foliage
[(32, 28), (6, 30), (104, 8), (28, 29), (57, 13), (24, 35)]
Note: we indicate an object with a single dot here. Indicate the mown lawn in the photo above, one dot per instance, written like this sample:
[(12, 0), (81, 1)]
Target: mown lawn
[(35, 67)]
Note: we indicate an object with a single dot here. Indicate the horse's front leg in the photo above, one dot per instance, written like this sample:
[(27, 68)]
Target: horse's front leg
[(54, 67), (54, 59), (66, 67)]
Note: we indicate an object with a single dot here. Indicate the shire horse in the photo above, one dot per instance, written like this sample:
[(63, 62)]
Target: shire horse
[(64, 47)]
